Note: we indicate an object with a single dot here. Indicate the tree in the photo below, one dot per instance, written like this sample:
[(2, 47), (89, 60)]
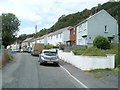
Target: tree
[(10, 26), (61, 17), (22, 37)]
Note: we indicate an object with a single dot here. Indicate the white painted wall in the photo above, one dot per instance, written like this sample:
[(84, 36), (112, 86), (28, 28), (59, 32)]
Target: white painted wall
[(38, 40), (66, 35), (81, 31), (88, 62), (56, 39), (42, 40), (59, 37), (32, 42)]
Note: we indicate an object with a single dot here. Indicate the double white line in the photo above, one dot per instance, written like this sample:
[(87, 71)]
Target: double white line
[(75, 78)]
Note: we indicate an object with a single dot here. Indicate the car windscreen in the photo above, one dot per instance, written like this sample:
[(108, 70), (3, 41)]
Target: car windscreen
[(50, 53)]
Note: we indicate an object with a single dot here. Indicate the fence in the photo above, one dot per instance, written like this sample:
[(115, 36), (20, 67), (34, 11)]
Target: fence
[(88, 62)]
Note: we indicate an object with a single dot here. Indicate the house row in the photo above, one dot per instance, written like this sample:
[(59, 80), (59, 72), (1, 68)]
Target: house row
[(101, 23)]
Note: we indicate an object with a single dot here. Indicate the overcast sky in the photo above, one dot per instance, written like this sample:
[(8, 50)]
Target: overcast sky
[(43, 13)]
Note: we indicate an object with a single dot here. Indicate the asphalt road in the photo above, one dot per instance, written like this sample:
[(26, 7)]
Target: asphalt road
[(25, 72)]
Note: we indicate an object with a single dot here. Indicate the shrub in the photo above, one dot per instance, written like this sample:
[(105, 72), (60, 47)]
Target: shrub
[(48, 46), (61, 46), (6, 57), (101, 42)]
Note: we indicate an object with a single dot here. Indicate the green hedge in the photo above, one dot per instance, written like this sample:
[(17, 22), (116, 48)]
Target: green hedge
[(50, 46)]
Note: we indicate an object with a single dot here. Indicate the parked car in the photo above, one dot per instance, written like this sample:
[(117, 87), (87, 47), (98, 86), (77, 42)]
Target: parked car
[(49, 56), (29, 49), (21, 50), (13, 50), (24, 49)]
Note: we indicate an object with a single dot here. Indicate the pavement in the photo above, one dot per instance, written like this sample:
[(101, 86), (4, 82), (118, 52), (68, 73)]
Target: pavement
[(26, 72), (89, 79)]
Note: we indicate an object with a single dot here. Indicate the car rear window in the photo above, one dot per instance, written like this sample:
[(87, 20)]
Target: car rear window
[(50, 53)]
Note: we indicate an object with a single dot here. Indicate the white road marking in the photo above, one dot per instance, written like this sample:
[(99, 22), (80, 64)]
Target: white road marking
[(75, 78)]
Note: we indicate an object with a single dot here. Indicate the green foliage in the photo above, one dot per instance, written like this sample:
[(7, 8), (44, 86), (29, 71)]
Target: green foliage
[(92, 51), (61, 46), (117, 69), (118, 55), (10, 25), (100, 70), (48, 46), (42, 32), (22, 37), (101, 42)]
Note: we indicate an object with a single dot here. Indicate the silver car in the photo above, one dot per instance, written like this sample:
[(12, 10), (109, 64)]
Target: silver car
[(49, 56)]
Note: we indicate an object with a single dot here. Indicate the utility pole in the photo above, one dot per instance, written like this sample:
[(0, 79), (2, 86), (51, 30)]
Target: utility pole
[(35, 34)]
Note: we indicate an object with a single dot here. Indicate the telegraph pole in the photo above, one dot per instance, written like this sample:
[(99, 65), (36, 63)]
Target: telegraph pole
[(35, 34)]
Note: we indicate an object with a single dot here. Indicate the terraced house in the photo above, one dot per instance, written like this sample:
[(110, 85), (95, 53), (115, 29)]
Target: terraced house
[(43, 39), (61, 36)]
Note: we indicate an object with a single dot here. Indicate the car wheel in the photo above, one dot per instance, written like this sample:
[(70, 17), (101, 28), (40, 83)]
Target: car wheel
[(41, 63)]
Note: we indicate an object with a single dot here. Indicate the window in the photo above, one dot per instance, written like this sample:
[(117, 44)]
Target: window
[(106, 30)]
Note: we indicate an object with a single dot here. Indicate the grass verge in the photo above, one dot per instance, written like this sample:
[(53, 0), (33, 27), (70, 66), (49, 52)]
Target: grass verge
[(100, 73), (100, 70), (6, 57)]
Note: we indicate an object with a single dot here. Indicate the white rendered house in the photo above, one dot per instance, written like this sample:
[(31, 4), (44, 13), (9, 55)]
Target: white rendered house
[(43, 39), (60, 36), (101, 23), (27, 42)]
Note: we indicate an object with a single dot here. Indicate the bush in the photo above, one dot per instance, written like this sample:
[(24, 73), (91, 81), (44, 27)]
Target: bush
[(61, 46), (101, 42), (6, 57), (48, 46)]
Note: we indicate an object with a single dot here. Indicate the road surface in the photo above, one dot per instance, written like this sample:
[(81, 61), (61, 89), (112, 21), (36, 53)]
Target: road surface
[(25, 72)]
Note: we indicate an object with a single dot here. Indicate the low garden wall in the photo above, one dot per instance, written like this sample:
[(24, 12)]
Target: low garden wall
[(88, 62)]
